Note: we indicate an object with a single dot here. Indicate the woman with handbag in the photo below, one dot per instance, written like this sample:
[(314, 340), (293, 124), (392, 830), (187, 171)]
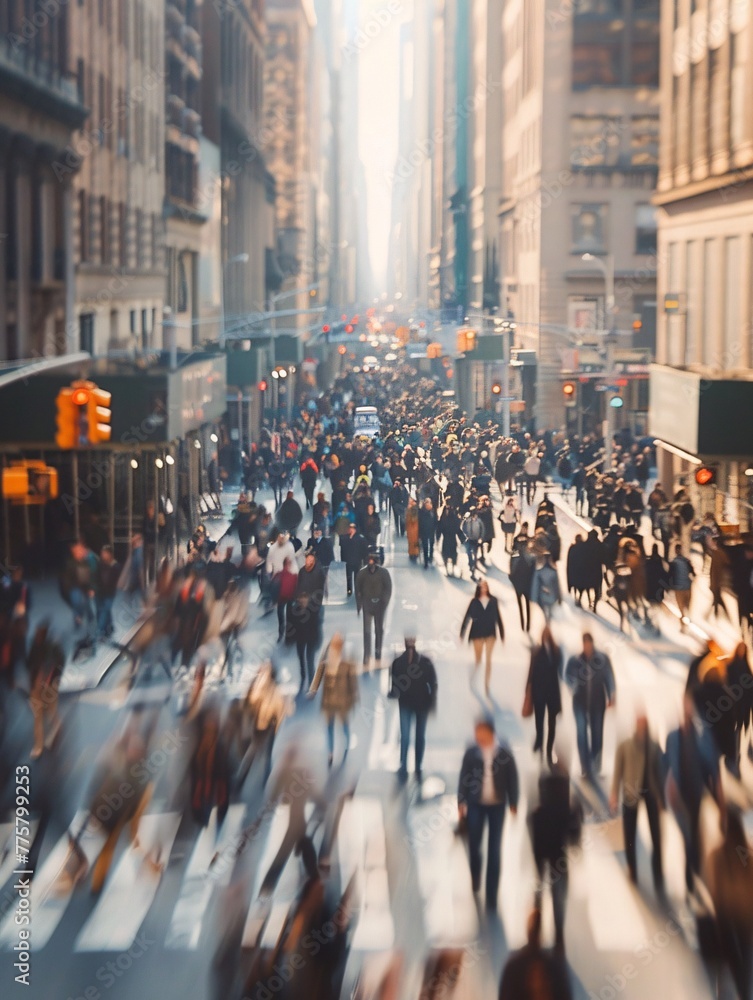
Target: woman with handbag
[(485, 621), (543, 691)]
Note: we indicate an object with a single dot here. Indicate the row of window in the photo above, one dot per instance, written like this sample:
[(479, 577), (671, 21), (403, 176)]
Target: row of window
[(627, 57), (117, 235), (590, 228), (610, 141)]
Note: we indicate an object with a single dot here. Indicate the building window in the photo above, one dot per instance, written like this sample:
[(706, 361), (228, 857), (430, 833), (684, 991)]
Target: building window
[(182, 285), (644, 55), (645, 229), (644, 141), (594, 141), (589, 223), (83, 226), (731, 347), (139, 237), (737, 87), (86, 333), (104, 231)]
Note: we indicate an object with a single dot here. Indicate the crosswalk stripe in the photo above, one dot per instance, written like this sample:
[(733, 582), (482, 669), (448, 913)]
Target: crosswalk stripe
[(47, 905), (8, 843), (130, 892), (199, 881)]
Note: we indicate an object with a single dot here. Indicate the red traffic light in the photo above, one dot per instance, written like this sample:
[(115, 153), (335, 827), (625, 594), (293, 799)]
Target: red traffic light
[(349, 328), (342, 349), (568, 388), (80, 397), (705, 476), (325, 328), (263, 385)]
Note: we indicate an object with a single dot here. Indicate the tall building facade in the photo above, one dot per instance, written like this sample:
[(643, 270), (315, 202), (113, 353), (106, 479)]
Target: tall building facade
[(580, 156), (291, 105), (701, 388), (41, 106), (184, 218), (118, 49)]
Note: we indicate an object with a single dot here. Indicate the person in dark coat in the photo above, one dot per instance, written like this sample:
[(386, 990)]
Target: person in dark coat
[(488, 784), (522, 568), (485, 620), (399, 504), (414, 685), (289, 515), (309, 474), (657, 577), (592, 563), (354, 551), (544, 680), (534, 973), (575, 569), (210, 773), (555, 825), (371, 525), (305, 616), (427, 528), (590, 677), (448, 529)]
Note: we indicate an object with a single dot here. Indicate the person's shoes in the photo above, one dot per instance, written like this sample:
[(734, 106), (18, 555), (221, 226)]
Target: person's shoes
[(402, 776), (350, 593), (419, 775), (329, 760), (537, 744)]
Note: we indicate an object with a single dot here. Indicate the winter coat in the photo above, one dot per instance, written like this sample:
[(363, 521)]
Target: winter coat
[(487, 519), (544, 678), (591, 681), (412, 531), (373, 587), (630, 766), (575, 567), (289, 515), (427, 522), (504, 774), (522, 568), (657, 579), (680, 573), (414, 682), (340, 691), (448, 529), (485, 621), (353, 550)]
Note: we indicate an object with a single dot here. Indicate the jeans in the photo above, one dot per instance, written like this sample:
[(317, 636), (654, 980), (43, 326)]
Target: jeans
[(478, 816), (471, 550), (331, 734), (373, 613), (82, 605), (282, 608), (524, 607), (104, 615), (428, 547), (589, 749), (629, 825), (307, 659), (406, 720)]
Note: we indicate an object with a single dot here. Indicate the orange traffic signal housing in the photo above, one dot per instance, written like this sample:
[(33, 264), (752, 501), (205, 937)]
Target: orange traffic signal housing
[(83, 415)]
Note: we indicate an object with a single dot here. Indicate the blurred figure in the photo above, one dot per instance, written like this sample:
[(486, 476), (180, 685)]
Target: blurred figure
[(305, 616), (544, 680), (731, 888), (340, 691), (534, 973), (555, 825), (210, 772), (488, 784), (590, 677), (263, 712), (373, 594), (414, 684), (693, 768), (639, 775), (545, 589), (522, 567), (108, 574), (46, 661), (681, 575), (485, 621), (412, 530), (79, 583)]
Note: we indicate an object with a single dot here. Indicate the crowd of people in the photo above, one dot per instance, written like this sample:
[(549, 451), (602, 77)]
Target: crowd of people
[(433, 477)]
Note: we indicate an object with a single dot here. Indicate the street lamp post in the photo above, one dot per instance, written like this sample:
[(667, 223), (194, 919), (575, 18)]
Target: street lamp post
[(606, 266)]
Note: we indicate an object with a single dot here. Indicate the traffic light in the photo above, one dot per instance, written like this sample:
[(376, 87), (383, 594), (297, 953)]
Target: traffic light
[(30, 482), (263, 385), (466, 341), (705, 475), (326, 328), (434, 351), (349, 328), (99, 415), (616, 402), (568, 390), (496, 389), (67, 413), (342, 349)]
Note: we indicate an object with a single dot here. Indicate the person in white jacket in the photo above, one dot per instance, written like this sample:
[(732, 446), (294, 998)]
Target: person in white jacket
[(532, 468), (281, 550)]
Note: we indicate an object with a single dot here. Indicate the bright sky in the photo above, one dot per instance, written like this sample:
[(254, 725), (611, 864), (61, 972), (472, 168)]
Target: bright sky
[(378, 125)]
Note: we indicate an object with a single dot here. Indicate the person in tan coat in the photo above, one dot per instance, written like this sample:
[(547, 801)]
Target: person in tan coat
[(411, 530), (340, 691)]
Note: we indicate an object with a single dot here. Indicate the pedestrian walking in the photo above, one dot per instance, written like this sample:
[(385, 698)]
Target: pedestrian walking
[(354, 551), (692, 770), (339, 677), (545, 588), (681, 575), (544, 686), (485, 621), (531, 469), (412, 531), (309, 473), (508, 518), (473, 534), (373, 593), (399, 497), (280, 566), (107, 577), (639, 776), (448, 529), (590, 678), (413, 682), (555, 826), (522, 567), (427, 529), (487, 786), (46, 661), (305, 616)]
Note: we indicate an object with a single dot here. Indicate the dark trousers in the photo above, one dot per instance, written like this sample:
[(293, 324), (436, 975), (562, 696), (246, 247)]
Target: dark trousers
[(590, 729), (398, 514), (478, 816), (553, 872), (350, 574), (539, 712), (282, 608), (375, 614), (524, 607), (406, 719), (307, 659), (428, 546), (629, 826), (531, 488)]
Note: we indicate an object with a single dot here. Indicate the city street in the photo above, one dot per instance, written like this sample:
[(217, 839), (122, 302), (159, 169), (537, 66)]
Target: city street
[(143, 926)]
